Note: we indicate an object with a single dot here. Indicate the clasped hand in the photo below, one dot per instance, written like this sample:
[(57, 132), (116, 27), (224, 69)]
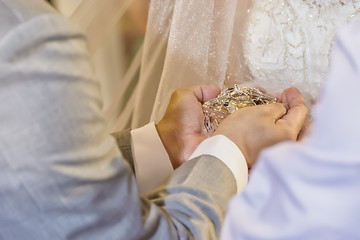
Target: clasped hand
[(252, 129)]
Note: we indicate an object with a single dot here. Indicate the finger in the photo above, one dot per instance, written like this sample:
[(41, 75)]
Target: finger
[(277, 95), (205, 93), (295, 103), (274, 110)]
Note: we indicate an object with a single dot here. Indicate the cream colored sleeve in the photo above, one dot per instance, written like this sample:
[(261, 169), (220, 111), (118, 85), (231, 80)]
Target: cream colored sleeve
[(224, 149), (151, 161)]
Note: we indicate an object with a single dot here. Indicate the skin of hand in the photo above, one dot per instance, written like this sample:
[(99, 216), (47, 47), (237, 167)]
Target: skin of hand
[(182, 129), (254, 128)]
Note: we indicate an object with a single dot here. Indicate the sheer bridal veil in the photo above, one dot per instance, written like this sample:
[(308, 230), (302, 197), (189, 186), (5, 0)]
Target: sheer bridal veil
[(187, 43), (191, 42), (197, 42)]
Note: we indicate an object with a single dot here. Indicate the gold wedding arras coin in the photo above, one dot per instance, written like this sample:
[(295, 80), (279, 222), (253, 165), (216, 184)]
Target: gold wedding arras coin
[(231, 100)]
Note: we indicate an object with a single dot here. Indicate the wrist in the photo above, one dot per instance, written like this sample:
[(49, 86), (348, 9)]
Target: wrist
[(170, 139), (238, 141)]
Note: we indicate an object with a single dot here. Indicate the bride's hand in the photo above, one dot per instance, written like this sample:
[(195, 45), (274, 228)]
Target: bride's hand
[(181, 129), (254, 128)]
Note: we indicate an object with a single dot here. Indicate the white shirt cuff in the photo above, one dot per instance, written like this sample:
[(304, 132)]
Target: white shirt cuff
[(226, 150), (151, 161)]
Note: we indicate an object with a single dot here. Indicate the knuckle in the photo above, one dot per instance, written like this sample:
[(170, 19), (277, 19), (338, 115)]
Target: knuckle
[(178, 93)]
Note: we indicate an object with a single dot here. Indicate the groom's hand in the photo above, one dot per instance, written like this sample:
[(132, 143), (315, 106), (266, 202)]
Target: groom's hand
[(182, 128), (254, 128)]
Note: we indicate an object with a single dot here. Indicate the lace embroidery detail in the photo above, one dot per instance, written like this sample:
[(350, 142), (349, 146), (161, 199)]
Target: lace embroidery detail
[(290, 40)]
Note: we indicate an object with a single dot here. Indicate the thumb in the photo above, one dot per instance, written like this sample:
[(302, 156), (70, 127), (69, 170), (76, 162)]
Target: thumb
[(205, 93), (296, 114)]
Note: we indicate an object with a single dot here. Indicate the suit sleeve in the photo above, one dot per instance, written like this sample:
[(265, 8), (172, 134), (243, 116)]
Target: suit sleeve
[(123, 140), (63, 176)]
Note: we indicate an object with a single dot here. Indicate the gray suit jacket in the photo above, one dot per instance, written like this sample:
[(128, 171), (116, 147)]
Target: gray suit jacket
[(61, 175)]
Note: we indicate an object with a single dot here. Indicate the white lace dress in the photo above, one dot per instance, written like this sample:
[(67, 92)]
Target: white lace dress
[(288, 42)]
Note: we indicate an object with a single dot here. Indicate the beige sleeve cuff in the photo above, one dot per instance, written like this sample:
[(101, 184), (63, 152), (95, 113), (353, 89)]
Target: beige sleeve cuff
[(151, 161), (224, 149)]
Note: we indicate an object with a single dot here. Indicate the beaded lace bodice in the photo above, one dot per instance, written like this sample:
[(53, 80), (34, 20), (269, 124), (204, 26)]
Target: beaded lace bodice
[(290, 41)]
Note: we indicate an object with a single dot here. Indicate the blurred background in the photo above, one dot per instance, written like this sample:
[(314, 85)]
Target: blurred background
[(114, 55)]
